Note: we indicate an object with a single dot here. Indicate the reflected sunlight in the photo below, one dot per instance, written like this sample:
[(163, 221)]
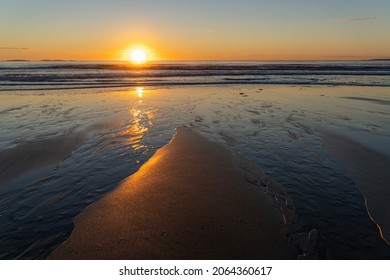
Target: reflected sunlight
[(140, 91)]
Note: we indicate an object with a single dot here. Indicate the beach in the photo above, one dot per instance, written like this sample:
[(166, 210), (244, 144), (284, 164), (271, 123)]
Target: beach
[(194, 138), (369, 169), (68, 153), (192, 200)]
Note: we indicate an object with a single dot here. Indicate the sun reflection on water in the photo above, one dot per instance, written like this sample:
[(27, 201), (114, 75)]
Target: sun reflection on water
[(139, 123), (140, 91)]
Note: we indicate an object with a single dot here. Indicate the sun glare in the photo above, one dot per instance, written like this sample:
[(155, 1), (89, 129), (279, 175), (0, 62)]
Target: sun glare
[(138, 56), (140, 90)]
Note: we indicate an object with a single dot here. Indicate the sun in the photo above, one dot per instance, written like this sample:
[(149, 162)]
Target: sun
[(138, 56)]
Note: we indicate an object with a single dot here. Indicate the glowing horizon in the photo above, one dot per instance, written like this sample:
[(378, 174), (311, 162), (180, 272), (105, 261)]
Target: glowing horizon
[(174, 30)]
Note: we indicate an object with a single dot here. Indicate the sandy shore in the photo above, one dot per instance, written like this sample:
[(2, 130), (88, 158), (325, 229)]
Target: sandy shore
[(370, 171), (194, 199), (32, 155)]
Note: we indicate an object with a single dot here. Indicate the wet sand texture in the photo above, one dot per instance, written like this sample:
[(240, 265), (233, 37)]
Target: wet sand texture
[(33, 155), (192, 200), (370, 171)]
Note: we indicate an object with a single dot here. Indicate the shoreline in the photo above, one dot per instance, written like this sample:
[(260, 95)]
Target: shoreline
[(194, 199), (274, 127), (369, 169)]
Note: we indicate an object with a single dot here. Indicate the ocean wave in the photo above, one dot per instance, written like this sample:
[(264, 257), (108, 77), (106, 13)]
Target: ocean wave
[(208, 65), (75, 75), (23, 87)]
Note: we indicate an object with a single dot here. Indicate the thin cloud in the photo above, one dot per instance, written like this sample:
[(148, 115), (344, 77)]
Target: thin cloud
[(13, 49), (344, 56), (257, 55), (358, 19)]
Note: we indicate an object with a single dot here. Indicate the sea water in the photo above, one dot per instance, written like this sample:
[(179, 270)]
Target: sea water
[(71, 131)]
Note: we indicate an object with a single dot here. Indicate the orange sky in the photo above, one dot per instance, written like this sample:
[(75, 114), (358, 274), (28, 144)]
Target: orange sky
[(189, 30)]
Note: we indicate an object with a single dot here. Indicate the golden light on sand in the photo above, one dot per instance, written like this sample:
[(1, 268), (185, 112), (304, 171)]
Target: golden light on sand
[(138, 56)]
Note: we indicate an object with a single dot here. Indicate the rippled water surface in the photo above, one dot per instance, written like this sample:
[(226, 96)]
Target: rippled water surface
[(30, 75), (61, 150)]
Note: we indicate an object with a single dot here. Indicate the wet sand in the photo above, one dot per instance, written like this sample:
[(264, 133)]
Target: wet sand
[(56, 166), (194, 199), (32, 155), (370, 171)]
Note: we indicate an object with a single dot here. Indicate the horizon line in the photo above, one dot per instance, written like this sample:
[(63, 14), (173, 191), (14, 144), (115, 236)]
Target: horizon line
[(187, 60)]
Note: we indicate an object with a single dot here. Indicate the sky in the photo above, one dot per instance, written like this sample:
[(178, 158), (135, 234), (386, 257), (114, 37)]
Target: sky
[(195, 30)]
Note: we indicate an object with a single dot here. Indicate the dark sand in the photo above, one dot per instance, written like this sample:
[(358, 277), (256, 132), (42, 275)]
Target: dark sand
[(192, 200), (370, 170), (30, 156), (373, 100), (34, 155)]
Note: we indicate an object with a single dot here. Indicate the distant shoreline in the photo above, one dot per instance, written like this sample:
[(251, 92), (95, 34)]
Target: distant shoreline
[(41, 60), (17, 60), (380, 59), (215, 61)]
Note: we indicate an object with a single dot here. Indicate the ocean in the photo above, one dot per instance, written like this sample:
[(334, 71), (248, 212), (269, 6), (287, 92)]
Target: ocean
[(72, 131), (58, 75)]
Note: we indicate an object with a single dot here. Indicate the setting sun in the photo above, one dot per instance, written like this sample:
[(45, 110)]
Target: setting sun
[(138, 56)]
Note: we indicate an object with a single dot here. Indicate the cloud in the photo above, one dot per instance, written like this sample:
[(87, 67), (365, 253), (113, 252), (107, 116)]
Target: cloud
[(13, 49), (357, 19), (209, 30)]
